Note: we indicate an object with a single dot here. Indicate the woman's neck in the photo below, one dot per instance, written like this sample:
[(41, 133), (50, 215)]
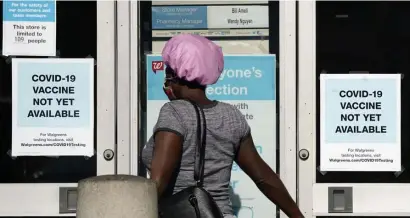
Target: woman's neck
[(198, 96)]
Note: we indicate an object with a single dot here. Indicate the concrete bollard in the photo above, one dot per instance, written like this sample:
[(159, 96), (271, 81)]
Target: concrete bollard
[(112, 196)]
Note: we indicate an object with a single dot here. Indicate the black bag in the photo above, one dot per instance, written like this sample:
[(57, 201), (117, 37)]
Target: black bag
[(195, 201)]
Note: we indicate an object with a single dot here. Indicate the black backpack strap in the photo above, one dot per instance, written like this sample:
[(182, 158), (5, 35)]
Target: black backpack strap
[(199, 166), (202, 150)]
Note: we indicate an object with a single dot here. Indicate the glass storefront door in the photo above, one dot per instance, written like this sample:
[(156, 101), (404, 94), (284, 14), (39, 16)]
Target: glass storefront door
[(41, 186), (273, 32), (350, 38)]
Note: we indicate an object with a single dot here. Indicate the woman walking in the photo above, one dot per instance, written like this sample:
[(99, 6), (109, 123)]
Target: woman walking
[(193, 62)]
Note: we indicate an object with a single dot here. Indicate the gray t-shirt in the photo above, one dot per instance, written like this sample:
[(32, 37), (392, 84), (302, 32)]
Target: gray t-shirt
[(226, 126)]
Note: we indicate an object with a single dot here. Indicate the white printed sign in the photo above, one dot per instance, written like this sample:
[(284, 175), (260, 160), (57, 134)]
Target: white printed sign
[(53, 107), (238, 16), (29, 28), (360, 122)]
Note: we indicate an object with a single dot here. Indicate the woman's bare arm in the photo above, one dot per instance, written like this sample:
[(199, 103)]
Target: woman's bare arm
[(167, 153), (264, 177)]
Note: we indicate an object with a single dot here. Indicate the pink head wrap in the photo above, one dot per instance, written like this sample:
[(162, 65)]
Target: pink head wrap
[(194, 58)]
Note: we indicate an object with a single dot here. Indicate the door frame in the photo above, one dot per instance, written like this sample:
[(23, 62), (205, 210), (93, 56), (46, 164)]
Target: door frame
[(369, 199), (126, 121), (306, 115), (42, 199), (135, 81), (287, 97), (128, 24), (128, 133)]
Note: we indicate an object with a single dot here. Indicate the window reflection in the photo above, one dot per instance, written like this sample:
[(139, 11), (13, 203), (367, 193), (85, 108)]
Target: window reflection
[(76, 38), (370, 37)]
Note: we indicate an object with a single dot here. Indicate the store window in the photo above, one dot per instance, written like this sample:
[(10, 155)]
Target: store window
[(261, 40), (365, 37), (267, 41), (76, 38)]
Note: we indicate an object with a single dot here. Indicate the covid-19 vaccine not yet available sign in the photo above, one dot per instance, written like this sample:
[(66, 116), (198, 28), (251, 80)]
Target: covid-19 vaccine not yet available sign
[(360, 122), (53, 107)]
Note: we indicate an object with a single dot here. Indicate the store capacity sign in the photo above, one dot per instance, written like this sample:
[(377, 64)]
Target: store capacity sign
[(29, 28), (53, 107), (248, 83), (360, 122)]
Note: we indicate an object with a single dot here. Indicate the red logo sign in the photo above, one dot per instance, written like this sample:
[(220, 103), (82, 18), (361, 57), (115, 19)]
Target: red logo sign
[(157, 65)]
